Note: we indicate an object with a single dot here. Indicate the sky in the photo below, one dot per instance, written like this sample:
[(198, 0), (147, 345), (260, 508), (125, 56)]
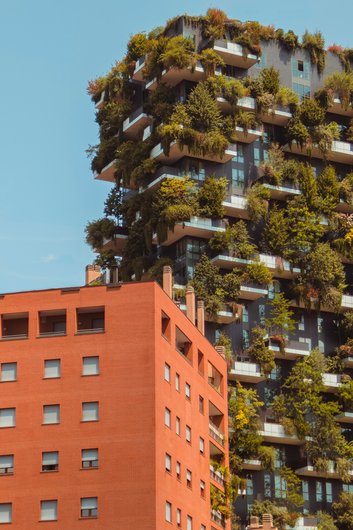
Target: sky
[(49, 49)]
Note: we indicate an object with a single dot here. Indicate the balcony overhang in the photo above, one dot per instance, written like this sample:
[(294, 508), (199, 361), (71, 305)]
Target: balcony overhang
[(174, 76), (131, 127), (177, 152), (196, 227), (281, 192), (340, 152), (245, 372), (236, 206), (234, 54)]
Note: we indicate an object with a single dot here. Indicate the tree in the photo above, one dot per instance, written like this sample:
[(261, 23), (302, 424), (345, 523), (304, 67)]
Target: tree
[(325, 521), (281, 516), (257, 202), (343, 511), (99, 230), (281, 319), (235, 240), (328, 189), (260, 352), (211, 196), (257, 272), (276, 231)]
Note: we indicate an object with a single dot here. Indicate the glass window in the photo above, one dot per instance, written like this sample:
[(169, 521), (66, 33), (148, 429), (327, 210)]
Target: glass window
[(168, 462), (262, 314), (318, 491), (178, 470), (90, 411), (329, 492), (202, 488), (51, 414), (320, 323), (188, 478), (201, 404), (202, 445), (48, 510), (8, 372), (303, 91), (301, 69), (261, 62), (249, 485), (178, 517), (167, 372), (267, 485), (5, 513), (245, 315), (177, 382), (50, 461), (188, 434), (348, 488), (177, 425), (275, 374), (189, 523), (305, 490), (6, 464), (246, 338), (280, 457), (90, 366), (301, 323), (89, 458), (168, 512), (167, 417), (187, 391), (89, 507), (280, 487), (51, 368)]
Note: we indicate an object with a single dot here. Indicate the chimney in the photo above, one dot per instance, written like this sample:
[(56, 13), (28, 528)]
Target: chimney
[(92, 273), (254, 523), (201, 316), (267, 523), (168, 280), (190, 303)]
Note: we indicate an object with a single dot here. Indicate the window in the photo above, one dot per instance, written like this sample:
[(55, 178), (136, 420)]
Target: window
[(89, 507), (200, 362), (267, 485), (178, 517), (318, 491), (50, 461), (262, 314), (167, 417), (177, 425), (167, 372), (7, 417), (188, 434), (301, 90), (348, 487), (90, 319), (300, 69), (5, 513), (329, 492), (249, 485), (51, 368), (202, 445), (90, 411), (280, 487), (48, 510), (178, 470), (90, 365), (165, 326), (89, 458), (203, 527), (301, 323), (201, 404), (300, 66), (189, 523), (168, 462), (305, 490), (245, 315), (6, 464), (177, 382), (51, 414), (187, 391), (8, 372), (188, 478), (246, 338), (168, 512), (280, 457), (202, 488)]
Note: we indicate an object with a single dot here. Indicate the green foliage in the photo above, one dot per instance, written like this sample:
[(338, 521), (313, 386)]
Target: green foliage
[(160, 103), (106, 260), (328, 188), (293, 487), (215, 21), (267, 457), (315, 44), (235, 240), (325, 521), (178, 53), (99, 230), (281, 517), (311, 113), (340, 85), (345, 394), (136, 47), (281, 321), (229, 89), (269, 78), (224, 340), (276, 231), (156, 271), (211, 196), (260, 352), (211, 60), (257, 202), (343, 511), (297, 132), (258, 272)]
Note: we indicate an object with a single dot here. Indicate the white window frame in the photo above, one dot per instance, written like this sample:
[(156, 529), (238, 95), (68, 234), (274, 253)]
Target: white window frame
[(90, 411), (49, 411), (8, 374), (49, 510)]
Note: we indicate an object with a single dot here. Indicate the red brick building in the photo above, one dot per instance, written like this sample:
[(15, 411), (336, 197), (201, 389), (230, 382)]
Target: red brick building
[(111, 405)]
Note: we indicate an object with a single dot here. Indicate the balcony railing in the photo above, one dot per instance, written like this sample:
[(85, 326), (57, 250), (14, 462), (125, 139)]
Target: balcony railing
[(217, 476), (218, 518), (216, 434), (15, 337)]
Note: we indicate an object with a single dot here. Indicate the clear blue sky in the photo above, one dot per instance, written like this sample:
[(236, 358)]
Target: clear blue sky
[(49, 50)]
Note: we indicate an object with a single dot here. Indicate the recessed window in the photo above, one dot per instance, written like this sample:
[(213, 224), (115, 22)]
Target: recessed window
[(202, 445), (89, 458), (167, 372), (14, 326), (188, 478), (5, 513), (178, 518), (178, 470), (177, 382), (167, 417), (52, 323), (89, 507), (51, 414), (187, 391), (6, 464), (90, 320), (177, 425), (49, 510), (50, 461), (90, 411), (168, 462), (183, 344), (7, 417), (202, 488), (90, 365), (166, 326), (201, 404), (203, 527), (189, 523), (52, 368), (8, 372), (168, 512), (188, 434), (300, 66), (200, 362)]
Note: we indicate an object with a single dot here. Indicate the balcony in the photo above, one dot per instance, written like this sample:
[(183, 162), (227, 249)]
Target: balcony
[(14, 326), (236, 206), (348, 362), (216, 434), (332, 382), (52, 323), (218, 518), (247, 136), (281, 192), (338, 108), (306, 523), (345, 417), (341, 152), (252, 465), (252, 292), (90, 320), (138, 72), (277, 116), (116, 244), (275, 433), (176, 153), (217, 476), (174, 76), (344, 207), (279, 267), (135, 123), (165, 172), (107, 173), (234, 54), (100, 102), (346, 303), (292, 350), (196, 227), (246, 372), (225, 316), (331, 472)]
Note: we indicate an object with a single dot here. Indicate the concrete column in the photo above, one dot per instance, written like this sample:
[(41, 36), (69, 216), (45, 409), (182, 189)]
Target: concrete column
[(190, 304), (168, 280), (201, 316)]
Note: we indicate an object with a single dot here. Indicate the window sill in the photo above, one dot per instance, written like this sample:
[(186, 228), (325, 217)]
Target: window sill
[(51, 335), (54, 377), (49, 521), (89, 375), (88, 469), (14, 337), (7, 474), (8, 427), (50, 471), (87, 332), (49, 424), (89, 421), (90, 517), (9, 381)]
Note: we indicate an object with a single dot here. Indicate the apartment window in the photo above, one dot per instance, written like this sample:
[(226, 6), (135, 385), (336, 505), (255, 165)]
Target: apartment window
[(89, 458), (168, 512), (348, 488), (177, 425), (89, 507), (90, 319), (165, 325), (90, 411), (52, 322), (48, 510), (5, 513), (329, 492), (245, 315), (318, 491), (249, 485), (187, 391), (302, 91), (262, 314), (178, 518), (246, 338), (168, 462), (8, 372), (51, 414), (90, 365), (167, 372), (188, 434), (7, 417), (51, 368), (167, 417), (50, 461), (301, 323), (200, 362), (280, 487), (280, 457), (177, 382), (6, 465), (203, 527), (202, 488), (320, 324), (178, 470), (201, 404), (267, 485), (202, 445), (188, 478), (301, 69), (189, 523), (305, 490)]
